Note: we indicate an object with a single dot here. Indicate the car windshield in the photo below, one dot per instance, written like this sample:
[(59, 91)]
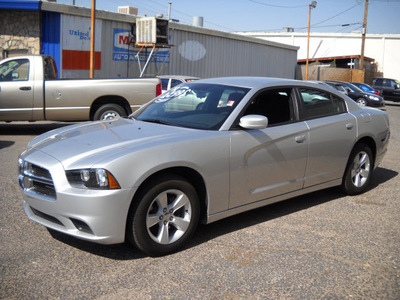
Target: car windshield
[(193, 105), (354, 87)]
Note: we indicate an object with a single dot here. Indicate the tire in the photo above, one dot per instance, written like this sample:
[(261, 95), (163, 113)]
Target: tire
[(357, 176), (361, 102), (109, 111), (165, 217)]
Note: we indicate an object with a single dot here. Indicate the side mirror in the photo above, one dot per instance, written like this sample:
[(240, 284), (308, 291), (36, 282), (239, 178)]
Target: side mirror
[(253, 122), (397, 86)]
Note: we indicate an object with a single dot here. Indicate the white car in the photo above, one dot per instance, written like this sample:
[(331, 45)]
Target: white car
[(170, 81)]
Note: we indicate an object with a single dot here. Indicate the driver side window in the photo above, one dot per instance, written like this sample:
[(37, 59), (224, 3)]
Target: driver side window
[(274, 104), (15, 70)]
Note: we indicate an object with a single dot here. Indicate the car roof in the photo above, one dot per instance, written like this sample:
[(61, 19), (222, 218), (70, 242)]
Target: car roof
[(182, 77), (259, 82)]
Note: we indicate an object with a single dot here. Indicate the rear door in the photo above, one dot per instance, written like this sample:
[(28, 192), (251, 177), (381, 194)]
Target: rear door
[(16, 90), (332, 132)]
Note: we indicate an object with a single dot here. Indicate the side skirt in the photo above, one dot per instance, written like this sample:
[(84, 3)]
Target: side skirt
[(254, 205)]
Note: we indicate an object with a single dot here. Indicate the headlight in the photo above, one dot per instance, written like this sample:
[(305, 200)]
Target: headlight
[(92, 179), (373, 97)]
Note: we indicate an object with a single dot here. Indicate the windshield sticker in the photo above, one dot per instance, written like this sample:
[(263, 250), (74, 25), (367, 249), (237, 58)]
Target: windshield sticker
[(230, 103), (174, 93)]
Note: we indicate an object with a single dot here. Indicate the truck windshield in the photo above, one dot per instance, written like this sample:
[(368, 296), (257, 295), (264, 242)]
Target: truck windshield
[(193, 105)]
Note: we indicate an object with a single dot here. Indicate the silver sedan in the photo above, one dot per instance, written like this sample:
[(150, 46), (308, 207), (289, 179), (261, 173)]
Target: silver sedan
[(201, 152)]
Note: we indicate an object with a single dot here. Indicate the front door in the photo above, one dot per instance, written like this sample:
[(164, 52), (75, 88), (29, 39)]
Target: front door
[(16, 90), (271, 161)]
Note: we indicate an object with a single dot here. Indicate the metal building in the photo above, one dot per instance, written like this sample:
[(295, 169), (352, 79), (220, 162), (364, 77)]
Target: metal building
[(63, 31), (383, 48)]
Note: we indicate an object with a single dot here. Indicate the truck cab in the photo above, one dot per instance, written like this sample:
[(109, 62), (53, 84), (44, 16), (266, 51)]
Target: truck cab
[(21, 83)]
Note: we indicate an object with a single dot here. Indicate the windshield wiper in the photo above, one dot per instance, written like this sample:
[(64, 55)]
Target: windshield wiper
[(157, 121)]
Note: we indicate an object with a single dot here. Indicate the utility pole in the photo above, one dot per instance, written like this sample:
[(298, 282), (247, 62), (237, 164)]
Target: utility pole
[(312, 5), (92, 44), (364, 31), (169, 10)]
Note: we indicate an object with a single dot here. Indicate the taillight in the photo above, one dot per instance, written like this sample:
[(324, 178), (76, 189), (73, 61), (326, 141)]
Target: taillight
[(377, 93), (158, 89)]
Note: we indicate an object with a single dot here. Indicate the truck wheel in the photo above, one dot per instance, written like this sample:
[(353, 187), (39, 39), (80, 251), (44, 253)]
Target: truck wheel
[(165, 216), (109, 111), (358, 172)]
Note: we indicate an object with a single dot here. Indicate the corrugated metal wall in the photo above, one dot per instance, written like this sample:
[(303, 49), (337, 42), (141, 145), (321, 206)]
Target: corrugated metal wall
[(207, 53), (195, 51)]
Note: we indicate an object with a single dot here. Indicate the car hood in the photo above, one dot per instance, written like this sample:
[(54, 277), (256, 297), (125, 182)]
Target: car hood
[(97, 140)]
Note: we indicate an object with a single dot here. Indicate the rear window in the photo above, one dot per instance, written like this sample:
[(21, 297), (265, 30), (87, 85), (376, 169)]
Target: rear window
[(318, 103)]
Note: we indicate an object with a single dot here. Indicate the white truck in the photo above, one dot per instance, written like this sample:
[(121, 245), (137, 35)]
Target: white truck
[(31, 91)]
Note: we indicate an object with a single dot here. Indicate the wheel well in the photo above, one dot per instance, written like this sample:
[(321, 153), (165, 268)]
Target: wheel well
[(370, 143), (190, 175), (121, 101)]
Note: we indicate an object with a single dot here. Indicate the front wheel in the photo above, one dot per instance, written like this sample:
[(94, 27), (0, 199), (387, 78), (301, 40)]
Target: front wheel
[(165, 217), (358, 172)]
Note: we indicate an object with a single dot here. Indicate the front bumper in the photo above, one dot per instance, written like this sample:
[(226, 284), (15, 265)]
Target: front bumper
[(93, 215)]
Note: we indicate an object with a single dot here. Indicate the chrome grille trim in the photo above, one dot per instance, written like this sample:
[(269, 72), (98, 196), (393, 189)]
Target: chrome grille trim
[(36, 180)]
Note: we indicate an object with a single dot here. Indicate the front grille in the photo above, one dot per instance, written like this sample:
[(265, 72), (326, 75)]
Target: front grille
[(37, 180)]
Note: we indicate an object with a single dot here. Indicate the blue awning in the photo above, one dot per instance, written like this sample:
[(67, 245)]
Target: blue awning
[(20, 4)]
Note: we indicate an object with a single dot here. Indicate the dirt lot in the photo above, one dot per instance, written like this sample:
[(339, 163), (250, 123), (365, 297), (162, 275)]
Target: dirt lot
[(320, 246)]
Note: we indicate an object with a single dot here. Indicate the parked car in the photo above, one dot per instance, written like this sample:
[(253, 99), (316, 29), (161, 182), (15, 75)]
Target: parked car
[(336, 86), (171, 81), (357, 94), (390, 88), (150, 178), (366, 88)]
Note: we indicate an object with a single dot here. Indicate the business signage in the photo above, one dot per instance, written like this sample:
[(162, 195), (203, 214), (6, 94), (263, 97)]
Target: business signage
[(124, 48), (76, 36)]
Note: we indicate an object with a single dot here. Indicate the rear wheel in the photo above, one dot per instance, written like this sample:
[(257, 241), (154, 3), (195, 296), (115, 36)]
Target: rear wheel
[(165, 217), (109, 111), (358, 173)]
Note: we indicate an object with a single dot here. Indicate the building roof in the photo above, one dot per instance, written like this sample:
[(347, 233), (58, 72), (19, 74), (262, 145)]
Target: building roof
[(347, 57)]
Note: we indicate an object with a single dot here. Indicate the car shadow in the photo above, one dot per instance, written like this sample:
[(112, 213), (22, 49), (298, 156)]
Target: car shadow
[(211, 231), (30, 128), (5, 144)]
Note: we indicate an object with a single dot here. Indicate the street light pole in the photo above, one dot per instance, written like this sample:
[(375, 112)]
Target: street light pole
[(92, 44), (312, 5)]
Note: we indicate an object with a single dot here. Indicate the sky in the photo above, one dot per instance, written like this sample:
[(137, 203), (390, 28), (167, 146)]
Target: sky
[(334, 16)]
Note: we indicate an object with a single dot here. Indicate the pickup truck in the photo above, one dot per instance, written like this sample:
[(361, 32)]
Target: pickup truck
[(31, 91), (389, 88)]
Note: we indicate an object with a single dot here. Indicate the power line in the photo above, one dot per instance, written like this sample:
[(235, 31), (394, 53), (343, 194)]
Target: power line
[(279, 6), (330, 18)]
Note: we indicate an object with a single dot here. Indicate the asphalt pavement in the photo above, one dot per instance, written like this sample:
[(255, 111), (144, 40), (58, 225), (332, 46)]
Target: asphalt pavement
[(324, 245)]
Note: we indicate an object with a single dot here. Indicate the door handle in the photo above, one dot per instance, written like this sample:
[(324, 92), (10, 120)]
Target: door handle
[(25, 88), (300, 138), (349, 126)]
